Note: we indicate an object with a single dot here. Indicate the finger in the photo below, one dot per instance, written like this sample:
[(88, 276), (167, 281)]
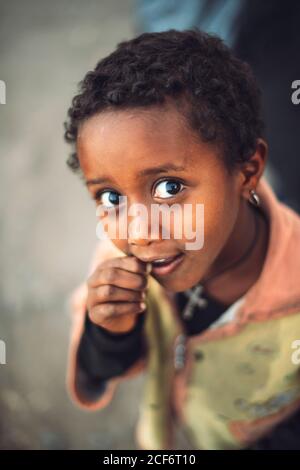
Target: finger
[(133, 264), (109, 311), (111, 293), (120, 278), (128, 263)]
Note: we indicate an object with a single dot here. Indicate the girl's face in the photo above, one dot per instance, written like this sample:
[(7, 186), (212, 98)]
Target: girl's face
[(152, 157)]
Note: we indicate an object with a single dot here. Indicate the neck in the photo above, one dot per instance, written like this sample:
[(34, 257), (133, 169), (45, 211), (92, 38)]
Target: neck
[(232, 284)]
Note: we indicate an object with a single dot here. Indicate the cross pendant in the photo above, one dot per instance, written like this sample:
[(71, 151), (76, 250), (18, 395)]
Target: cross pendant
[(195, 299)]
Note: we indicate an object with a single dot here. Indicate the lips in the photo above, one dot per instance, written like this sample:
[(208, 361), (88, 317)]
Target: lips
[(165, 266), (163, 261)]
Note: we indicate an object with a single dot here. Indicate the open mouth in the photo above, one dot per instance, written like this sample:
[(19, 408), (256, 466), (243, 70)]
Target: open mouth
[(166, 265)]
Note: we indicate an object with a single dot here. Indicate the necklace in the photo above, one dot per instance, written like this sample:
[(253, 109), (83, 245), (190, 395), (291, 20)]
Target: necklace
[(195, 293)]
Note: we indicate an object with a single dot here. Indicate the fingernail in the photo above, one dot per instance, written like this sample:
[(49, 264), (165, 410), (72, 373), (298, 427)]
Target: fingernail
[(143, 294), (143, 305), (148, 268)]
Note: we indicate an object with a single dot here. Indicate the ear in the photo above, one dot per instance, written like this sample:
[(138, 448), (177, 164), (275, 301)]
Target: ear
[(252, 170)]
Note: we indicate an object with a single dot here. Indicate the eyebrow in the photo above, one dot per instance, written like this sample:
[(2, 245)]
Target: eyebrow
[(145, 172)]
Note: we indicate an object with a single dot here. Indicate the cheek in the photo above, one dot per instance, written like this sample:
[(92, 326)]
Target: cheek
[(219, 221), (216, 228), (120, 244), (108, 226), (219, 213)]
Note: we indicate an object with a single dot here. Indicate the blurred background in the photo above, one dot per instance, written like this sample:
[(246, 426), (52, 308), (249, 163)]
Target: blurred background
[(46, 217)]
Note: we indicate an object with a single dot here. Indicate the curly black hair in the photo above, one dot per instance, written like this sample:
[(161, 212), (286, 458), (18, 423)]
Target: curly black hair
[(223, 97)]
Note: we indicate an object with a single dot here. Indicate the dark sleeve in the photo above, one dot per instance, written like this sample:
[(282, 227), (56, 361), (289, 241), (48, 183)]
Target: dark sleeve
[(286, 436), (103, 354)]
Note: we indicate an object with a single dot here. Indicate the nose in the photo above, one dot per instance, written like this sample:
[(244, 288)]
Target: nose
[(137, 236), (140, 232), (139, 242)]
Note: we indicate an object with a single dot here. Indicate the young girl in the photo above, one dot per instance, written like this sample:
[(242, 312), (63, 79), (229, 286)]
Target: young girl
[(174, 118)]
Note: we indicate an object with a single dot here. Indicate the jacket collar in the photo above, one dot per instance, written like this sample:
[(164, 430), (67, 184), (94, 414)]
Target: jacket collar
[(277, 287)]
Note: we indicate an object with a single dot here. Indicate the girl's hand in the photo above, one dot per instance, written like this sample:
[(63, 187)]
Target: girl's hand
[(116, 292)]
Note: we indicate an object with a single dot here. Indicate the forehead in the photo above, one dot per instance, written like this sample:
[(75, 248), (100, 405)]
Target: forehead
[(121, 144), (131, 138)]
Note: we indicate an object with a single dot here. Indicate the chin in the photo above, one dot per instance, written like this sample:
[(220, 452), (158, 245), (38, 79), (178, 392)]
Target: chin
[(177, 284)]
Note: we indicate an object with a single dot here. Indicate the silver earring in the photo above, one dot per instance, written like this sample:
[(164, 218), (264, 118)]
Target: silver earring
[(254, 198)]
